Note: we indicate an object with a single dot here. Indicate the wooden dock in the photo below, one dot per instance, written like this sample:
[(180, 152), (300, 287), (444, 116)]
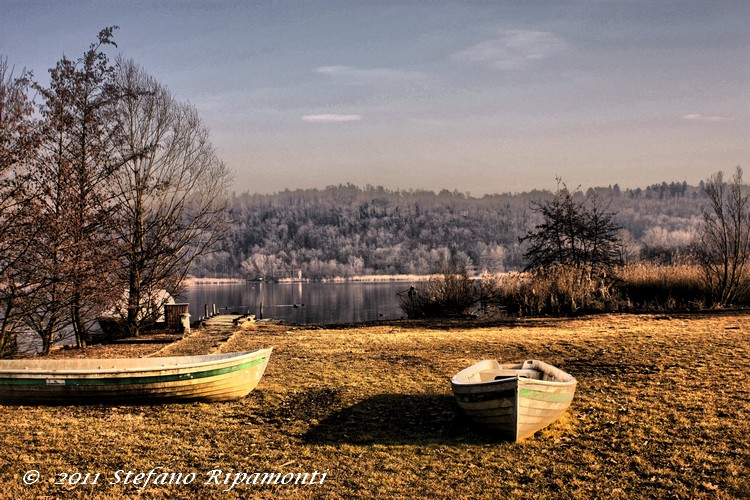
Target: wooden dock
[(204, 340)]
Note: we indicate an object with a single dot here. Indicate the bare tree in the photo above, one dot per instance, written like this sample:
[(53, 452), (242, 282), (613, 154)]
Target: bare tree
[(171, 191), (724, 241), (575, 234), (18, 144), (71, 180), (572, 253)]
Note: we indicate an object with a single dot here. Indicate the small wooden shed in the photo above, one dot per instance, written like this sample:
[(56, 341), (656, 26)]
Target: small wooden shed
[(173, 314)]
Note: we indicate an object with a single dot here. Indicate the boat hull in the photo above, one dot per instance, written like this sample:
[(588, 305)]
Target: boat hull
[(213, 377), (513, 401)]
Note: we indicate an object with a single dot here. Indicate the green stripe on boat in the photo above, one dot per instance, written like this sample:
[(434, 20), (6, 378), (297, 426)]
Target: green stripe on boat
[(103, 380), (555, 397)]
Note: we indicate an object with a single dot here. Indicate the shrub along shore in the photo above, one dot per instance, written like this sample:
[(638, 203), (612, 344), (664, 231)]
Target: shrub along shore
[(660, 411), (565, 291), (637, 287)]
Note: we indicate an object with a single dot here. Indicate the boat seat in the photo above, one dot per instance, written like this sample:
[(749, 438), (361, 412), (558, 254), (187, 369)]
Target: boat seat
[(501, 374)]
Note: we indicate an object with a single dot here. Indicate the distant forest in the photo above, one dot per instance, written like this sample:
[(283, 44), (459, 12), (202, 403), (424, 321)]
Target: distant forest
[(345, 230)]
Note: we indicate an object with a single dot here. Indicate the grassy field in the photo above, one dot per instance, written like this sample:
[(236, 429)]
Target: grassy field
[(661, 411)]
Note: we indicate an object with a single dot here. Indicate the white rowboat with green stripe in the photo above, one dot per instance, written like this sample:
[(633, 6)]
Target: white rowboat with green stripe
[(210, 377), (513, 400)]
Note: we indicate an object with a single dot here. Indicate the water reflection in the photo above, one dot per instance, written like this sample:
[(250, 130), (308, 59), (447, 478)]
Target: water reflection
[(302, 303)]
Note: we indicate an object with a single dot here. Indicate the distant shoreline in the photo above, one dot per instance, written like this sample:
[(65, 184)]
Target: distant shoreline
[(375, 278), (213, 281)]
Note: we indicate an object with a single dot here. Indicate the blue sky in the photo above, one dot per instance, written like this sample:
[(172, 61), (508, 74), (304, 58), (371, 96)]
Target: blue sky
[(479, 97)]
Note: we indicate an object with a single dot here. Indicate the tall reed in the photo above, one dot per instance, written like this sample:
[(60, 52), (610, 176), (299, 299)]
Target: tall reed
[(565, 290), (646, 286), (554, 290)]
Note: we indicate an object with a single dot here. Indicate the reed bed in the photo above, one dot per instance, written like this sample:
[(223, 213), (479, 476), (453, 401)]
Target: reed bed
[(638, 287), (659, 287)]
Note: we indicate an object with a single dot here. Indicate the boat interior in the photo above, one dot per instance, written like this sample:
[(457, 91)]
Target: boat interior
[(41, 365), (490, 370), (488, 375)]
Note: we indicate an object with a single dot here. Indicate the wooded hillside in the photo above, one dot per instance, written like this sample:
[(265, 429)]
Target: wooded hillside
[(346, 230)]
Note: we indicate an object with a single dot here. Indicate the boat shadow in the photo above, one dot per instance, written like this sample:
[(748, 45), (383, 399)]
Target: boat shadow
[(398, 419)]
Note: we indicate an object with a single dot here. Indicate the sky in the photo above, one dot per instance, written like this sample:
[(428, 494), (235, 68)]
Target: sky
[(472, 96)]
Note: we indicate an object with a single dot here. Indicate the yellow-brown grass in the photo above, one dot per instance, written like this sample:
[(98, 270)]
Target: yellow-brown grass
[(636, 287), (659, 287), (556, 290), (660, 412)]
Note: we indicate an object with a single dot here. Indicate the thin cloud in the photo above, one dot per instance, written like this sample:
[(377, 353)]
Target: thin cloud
[(514, 49), (331, 118), (703, 118), (387, 74)]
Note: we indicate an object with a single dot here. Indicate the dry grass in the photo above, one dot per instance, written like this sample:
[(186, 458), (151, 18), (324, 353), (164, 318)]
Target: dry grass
[(556, 290), (650, 286), (643, 287), (661, 412)]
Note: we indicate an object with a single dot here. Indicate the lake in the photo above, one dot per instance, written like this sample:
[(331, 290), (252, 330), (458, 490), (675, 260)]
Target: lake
[(294, 303), (300, 303)]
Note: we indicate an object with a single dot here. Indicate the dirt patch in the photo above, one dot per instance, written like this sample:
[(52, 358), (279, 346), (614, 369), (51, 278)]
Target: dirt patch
[(660, 412)]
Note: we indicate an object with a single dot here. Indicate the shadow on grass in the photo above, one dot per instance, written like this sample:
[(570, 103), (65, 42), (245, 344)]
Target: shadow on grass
[(398, 419)]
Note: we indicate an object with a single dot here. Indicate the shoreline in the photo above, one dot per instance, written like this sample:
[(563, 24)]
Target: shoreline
[(375, 278)]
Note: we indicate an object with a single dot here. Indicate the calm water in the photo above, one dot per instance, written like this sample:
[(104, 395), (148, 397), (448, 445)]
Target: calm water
[(301, 303), (296, 303)]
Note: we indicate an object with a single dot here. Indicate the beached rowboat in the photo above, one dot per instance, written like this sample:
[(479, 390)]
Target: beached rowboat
[(211, 377), (513, 400)]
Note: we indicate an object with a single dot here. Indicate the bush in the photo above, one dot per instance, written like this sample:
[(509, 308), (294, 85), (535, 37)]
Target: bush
[(446, 295)]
